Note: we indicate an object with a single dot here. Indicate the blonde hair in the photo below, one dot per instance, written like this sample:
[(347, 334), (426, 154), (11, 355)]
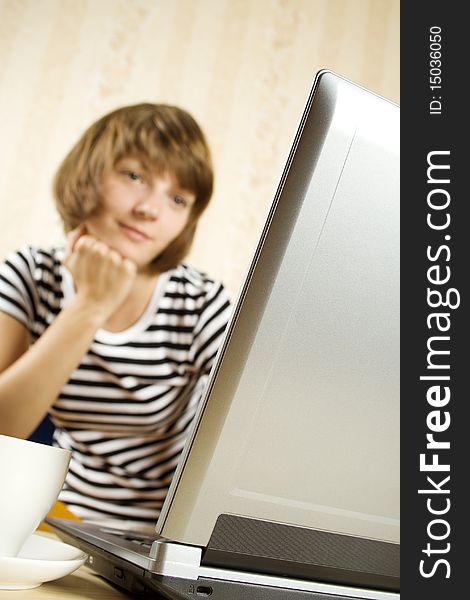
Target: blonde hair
[(165, 138)]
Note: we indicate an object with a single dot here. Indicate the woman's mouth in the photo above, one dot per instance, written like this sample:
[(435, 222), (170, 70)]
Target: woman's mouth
[(133, 233)]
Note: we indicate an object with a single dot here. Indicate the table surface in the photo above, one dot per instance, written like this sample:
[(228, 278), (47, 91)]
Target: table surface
[(83, 584)]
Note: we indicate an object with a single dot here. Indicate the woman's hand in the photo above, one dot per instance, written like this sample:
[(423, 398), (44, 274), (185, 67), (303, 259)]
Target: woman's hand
[(102, 277)]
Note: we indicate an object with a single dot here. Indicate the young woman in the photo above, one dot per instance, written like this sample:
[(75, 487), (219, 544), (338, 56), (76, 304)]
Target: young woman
[(114, 336)]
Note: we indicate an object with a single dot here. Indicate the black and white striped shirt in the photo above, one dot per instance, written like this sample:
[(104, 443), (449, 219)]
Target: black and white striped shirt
[(126, 409)]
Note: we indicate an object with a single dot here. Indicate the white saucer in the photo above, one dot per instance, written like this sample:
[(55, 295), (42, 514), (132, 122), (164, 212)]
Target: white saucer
[(40, 559)]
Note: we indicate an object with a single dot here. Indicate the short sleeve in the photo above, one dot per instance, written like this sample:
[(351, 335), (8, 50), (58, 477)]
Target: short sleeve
[(18, 297)]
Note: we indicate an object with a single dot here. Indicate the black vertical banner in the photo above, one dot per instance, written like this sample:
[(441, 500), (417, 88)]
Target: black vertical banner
[(435, 163)]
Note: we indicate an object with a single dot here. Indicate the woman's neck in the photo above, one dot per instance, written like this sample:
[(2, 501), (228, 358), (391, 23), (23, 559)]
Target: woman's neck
[(133, 307)]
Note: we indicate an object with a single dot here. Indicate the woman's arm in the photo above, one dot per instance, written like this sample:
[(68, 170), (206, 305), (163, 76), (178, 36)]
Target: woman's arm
[(31, 379), (30, 383)]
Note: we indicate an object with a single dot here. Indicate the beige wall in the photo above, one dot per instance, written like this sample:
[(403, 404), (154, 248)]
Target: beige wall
[(243, 68)]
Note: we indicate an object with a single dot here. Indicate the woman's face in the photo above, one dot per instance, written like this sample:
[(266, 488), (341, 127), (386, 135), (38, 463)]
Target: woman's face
[(141, 212)]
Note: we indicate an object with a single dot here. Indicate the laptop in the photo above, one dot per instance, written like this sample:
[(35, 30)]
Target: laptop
[(288, 485)]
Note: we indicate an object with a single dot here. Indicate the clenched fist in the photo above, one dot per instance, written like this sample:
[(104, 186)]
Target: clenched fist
[(102, 277)]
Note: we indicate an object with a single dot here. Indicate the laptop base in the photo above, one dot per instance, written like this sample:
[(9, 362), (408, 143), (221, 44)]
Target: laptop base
[(172, 572)]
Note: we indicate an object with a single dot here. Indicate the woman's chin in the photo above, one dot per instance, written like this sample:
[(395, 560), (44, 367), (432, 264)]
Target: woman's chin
[(143, 264), (127, 249)]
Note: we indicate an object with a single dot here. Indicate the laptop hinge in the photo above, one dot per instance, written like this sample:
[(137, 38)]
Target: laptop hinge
[(175, 560)]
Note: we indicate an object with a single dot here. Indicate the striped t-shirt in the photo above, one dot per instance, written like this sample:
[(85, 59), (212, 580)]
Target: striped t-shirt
[(126, 409)]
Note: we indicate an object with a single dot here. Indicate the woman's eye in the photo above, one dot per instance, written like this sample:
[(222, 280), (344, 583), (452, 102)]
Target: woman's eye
[(134, 176), (180, 201)]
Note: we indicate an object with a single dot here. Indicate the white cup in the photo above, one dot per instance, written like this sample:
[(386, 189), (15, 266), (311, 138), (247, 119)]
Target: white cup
[(31, 477)]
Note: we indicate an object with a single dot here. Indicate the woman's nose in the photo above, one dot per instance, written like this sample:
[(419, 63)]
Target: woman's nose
[(146, 210)]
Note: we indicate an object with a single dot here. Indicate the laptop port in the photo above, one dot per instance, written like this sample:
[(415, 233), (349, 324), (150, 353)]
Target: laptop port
[(203, 590)]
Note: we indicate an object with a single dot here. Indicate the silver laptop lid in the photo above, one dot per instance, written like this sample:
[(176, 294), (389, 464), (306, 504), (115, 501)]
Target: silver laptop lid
[(299, 423)]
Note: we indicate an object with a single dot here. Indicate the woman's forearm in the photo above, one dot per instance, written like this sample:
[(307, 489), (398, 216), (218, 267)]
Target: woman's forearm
[(30, 385)]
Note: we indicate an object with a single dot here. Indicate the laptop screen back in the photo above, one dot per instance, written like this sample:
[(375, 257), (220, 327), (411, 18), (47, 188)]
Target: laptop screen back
[(300, 420)]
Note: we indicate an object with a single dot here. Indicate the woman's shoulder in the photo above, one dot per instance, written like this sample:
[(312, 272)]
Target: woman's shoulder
[(39, 255), (30, 257), (31, 284), (35, 263), (192, 280), (196, 290)]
